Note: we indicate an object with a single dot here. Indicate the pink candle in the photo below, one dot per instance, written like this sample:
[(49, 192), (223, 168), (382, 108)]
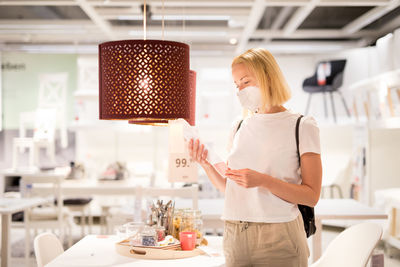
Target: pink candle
[(188, 240)]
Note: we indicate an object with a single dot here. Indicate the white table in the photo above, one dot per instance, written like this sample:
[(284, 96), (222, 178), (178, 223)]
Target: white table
[(95, 250), (346, 209), (8, 206), (57, 174)]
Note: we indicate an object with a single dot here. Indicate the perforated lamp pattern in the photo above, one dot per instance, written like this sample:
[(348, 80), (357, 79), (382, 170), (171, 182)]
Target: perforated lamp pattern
[(192, 84), (144, 81), (192, 103)]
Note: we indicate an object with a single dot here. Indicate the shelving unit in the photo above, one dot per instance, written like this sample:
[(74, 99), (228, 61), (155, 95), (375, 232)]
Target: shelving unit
[(377, 98), (377, 151)]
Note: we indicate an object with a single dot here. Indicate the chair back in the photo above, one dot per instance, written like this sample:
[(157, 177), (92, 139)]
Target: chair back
[(47, 247), (352, 247), (53, 94), (336, 67), (54, 190), (45, 124)]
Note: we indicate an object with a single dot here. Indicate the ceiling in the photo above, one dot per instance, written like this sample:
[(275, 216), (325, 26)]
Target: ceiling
[(213, 27)]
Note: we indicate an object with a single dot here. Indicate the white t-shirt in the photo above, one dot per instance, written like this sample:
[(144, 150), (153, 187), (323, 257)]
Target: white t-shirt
[(266, 143)]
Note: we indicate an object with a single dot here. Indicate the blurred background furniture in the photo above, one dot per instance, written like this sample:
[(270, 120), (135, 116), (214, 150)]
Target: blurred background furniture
[(49, 114), (394, 237), (389, 200), (8, 206), (81, 207), (343, 209), (47, 247), (328, 78), (53, 216), (352, 247), (45, 121)]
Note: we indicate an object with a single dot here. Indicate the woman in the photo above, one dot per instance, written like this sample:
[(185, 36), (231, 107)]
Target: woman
[(263, 183)]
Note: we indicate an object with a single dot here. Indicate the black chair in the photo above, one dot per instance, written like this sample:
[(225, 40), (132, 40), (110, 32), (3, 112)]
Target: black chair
[(332, 82)]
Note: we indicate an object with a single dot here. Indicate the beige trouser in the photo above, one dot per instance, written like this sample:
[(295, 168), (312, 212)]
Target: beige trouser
[(266, 244)]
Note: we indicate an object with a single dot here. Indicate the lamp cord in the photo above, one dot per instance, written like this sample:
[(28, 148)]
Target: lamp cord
[(144, 20), (184, 22), (162, 20)]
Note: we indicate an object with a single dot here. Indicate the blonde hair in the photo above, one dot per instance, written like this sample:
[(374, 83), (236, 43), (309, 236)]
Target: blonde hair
[(274, 88)]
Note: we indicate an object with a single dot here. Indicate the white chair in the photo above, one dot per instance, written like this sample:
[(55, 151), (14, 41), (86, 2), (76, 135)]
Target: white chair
[(47, 247), (50, 113), (44, 126), (352, 247), (54, 217), (53, 94)]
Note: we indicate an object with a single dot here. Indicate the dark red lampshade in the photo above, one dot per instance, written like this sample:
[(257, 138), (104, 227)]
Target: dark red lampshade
[(192, 83), (192, 103), (145, 81)]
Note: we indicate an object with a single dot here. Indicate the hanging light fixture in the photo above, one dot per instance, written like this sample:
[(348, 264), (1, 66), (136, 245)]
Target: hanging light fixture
[(145, 81), (191, 118)]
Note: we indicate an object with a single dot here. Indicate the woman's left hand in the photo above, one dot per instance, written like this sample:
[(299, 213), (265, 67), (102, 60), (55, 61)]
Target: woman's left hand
[(246, 177)]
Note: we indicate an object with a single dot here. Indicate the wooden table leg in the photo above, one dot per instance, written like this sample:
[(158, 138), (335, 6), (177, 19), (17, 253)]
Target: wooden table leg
[(317, 241), (5, 239), (393, 222)]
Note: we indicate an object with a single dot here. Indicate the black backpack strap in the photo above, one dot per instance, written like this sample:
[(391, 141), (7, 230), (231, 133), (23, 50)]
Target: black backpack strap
[(240, 124), (297, 137)]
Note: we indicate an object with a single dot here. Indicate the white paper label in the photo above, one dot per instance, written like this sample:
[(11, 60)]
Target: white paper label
[(180, 167)]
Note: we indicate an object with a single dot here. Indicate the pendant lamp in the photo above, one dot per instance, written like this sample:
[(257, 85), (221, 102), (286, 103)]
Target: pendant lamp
[(145, 81), (191, 119)]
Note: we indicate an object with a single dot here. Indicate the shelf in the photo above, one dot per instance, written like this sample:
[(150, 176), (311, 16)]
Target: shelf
[(86, 94), (388, 123), (390, 79)]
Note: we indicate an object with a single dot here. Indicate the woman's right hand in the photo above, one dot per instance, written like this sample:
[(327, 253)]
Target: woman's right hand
[(198, 153)]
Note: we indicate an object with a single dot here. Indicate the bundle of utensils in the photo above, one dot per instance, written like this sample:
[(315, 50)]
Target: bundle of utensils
[(162, 215)]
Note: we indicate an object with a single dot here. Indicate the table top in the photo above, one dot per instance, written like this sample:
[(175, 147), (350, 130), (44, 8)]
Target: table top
[(94, 250), (338, 208), (58, 172), (325, 209), (123, 187), (12, 205), (86, 187)]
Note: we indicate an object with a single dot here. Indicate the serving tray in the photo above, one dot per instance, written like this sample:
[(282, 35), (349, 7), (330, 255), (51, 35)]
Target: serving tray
[(155, 253)]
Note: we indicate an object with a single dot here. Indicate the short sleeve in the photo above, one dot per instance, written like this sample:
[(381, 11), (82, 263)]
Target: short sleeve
[(309, 136), (232, 133)]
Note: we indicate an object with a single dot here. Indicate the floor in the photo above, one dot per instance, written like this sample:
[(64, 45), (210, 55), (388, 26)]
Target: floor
[(329, 233)]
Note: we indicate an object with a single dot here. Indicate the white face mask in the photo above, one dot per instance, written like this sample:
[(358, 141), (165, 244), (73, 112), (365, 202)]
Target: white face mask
[(250, 98)]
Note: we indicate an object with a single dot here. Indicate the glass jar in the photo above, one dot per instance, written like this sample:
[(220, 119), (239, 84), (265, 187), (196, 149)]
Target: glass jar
[(192, 222), (176, 222), (160, 232), (121, 232), (149, 236), (133, 231)]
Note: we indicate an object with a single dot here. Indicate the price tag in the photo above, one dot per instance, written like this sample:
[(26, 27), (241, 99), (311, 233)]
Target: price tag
[(180, 167)]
